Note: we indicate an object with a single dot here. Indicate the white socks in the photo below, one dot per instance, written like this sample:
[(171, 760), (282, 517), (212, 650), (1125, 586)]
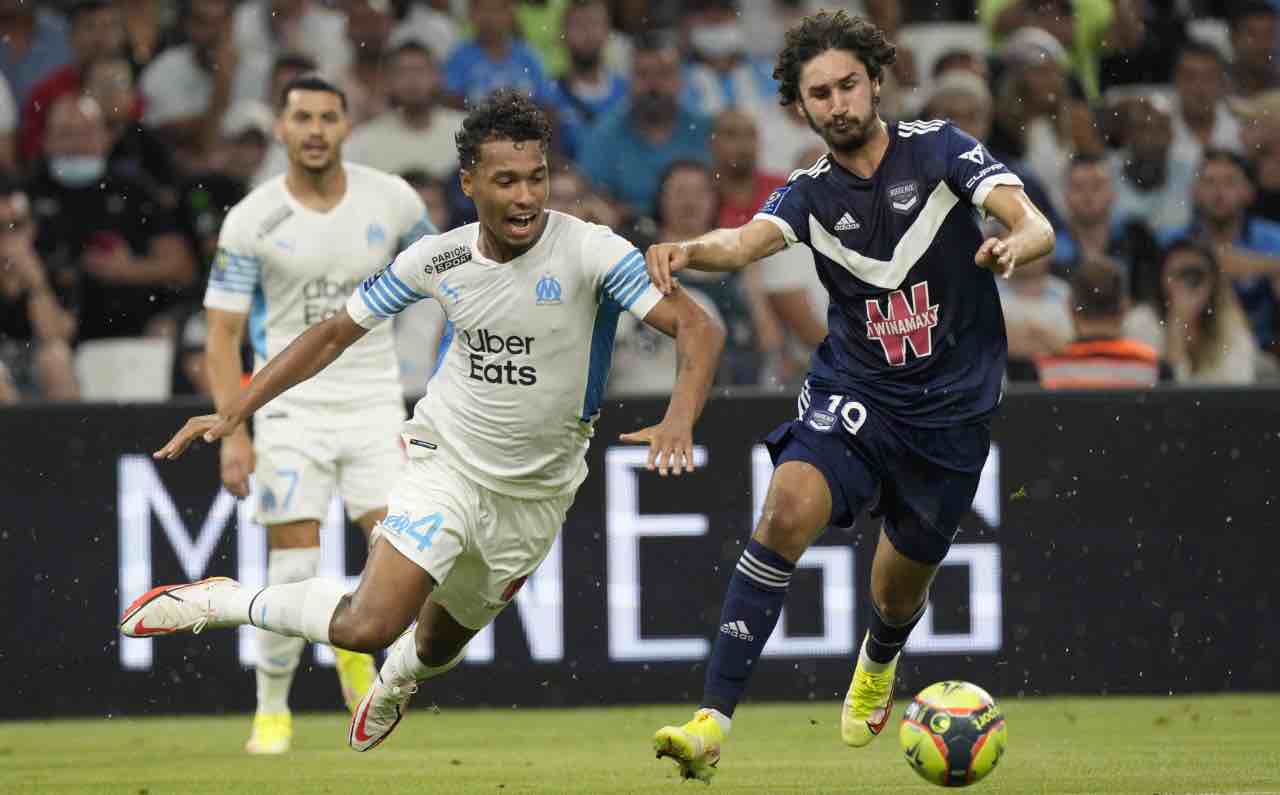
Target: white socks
[(722, 719), (288, 573), (402, 664), (869, 665)]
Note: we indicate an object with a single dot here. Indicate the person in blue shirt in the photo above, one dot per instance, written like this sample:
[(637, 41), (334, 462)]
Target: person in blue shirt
[(588, 88), (34, 41), (1247, 246), (495, 58), (627, 149), (895, 413)]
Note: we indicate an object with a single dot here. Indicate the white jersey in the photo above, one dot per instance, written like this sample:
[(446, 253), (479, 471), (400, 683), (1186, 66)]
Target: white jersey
[(526, 347), (289, 267)]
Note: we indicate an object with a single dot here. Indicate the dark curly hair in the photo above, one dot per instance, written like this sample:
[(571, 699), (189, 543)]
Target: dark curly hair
[(827, 31), (505, 115)]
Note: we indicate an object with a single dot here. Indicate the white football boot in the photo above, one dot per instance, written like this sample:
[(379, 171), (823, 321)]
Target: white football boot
[(194, 606), (379, 713)]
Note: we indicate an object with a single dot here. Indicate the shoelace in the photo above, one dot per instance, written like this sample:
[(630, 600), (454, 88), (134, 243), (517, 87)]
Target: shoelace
[(867, 700)]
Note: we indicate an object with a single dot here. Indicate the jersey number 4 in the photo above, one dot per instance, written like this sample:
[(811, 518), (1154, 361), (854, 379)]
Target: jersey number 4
[(907, 323)]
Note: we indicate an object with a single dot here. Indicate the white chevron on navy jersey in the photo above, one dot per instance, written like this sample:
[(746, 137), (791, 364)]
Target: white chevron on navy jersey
[(910, 128), (819, 166)]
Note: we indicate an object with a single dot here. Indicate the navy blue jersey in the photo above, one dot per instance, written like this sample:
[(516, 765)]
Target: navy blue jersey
[(916, 329)]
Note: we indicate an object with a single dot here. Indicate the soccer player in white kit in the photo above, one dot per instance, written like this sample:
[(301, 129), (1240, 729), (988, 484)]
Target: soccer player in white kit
[(289, 255), (496, 447)]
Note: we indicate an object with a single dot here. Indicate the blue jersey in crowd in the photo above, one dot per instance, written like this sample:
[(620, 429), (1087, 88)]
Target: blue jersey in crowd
[(916, 330)]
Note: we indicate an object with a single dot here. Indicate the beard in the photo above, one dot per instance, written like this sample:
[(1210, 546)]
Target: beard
[(653, 107), (584, 61), (855, 133)]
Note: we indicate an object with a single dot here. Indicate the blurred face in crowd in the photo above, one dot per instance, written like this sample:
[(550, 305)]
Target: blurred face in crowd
[(1201, 84), (968, 112), (1090, 193), (586, 29), (494, 20), (656, 83), (1253, 42), (839, 99), (1223, 191), (368, 28), (96, 33), (413, 80), (1045, 84), (110, 82), (734, 143), (567, 191), (688, 202), (312, 127), (244, 155), (208, 24), (510, 184), (1188, 278), (1150, 131), (432, 194), (75, 128)]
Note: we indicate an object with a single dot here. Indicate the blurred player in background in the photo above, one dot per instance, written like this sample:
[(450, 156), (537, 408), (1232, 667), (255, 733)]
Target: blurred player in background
[(496, 447), (288, 256), (895, 413)]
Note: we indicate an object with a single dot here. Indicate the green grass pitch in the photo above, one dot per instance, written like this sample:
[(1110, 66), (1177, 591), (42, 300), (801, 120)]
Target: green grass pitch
[(1188, 744)]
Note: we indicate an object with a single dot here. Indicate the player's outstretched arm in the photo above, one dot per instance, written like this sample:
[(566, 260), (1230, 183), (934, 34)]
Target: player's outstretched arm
[(222, 362), (717, 250), (307, 355), (699, 340), (1030, 236)]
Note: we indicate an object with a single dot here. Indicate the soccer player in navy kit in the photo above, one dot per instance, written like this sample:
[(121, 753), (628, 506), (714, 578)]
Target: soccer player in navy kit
[(894, 415)]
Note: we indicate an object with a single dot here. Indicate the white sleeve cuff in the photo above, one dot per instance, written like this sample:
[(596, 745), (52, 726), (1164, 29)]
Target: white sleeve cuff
[(981, 192), (228, 300), (788, 233)]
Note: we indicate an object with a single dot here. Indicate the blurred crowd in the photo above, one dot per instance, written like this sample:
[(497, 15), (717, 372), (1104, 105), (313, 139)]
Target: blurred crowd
[(1148, 132)]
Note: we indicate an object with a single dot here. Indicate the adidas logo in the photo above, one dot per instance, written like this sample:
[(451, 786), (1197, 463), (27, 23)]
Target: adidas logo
[(847, 223), (737, 629)]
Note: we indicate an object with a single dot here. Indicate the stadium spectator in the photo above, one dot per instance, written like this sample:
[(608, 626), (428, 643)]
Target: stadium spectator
[(1150, 183), (1037, 316), (1253, 26), (1197, 323), (35, 329), (419, 21), (187, 88), (96, 31), (1086, 28), (433, 194), (273, 27), (628, 149), (1091, 229), (495, 58), (1247, 247), (33, 43), (1151, 60), (962, 96), (247, 139), (144, 30), (368, 30), (589, 87), (1260, 137), (1101, 356), (417, 131), (136, 152), (570, 193), (1200, 115), (724, 74), (103, 236), (740, 183), (962, 60), (8, 129)]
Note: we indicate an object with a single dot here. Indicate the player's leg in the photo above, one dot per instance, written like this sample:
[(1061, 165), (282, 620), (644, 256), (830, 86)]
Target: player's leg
[(818, 480)]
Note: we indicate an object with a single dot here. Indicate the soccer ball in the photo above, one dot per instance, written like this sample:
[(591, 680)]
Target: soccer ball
[(953, 734)]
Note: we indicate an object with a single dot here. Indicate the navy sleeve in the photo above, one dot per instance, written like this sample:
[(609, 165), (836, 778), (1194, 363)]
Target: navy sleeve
[(971, 171), (788, 209)]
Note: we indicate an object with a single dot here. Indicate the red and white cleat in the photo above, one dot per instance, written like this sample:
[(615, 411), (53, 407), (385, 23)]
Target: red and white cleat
[(175, 608), (379, 713)]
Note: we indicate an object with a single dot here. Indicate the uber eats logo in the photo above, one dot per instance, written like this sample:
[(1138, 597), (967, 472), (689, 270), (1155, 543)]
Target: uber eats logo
[(323, 297), (483, 344)]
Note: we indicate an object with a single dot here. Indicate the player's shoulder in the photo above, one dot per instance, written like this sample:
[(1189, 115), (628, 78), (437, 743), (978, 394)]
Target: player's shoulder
[(443, 252), (262, 210), (812, 173), (934, 139)]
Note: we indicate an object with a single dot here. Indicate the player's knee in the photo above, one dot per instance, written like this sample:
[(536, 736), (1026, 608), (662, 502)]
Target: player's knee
[(788, 523), (895, 606), (355, 630)]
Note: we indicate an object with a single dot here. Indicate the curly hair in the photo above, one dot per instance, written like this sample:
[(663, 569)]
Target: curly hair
[(505, 115), (827, 31)]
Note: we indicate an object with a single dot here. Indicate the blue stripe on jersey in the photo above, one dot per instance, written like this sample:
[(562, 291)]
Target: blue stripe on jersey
[(234, 272), (602, 334), (392, 295), (422, 228), (632, 290), (627, 280), (446, 339), (629, 260), (395, 280), (374, 302), (258, 322)]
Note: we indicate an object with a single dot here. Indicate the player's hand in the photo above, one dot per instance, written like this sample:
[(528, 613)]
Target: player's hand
[(209, 427), (997, 256), (670, 447), (662, 260), (237, 462)]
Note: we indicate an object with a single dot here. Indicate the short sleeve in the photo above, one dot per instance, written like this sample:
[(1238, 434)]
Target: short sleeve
[(971, 171), (787, 209), (391, 290), (236, 270), (618, 273), (412, 221)]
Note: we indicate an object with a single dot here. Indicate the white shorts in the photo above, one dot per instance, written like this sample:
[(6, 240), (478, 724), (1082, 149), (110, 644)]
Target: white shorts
[(304, 457), (478, 545)]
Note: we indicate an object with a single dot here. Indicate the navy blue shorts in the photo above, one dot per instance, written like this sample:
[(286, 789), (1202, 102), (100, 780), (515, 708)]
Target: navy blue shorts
[(921, 480)]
